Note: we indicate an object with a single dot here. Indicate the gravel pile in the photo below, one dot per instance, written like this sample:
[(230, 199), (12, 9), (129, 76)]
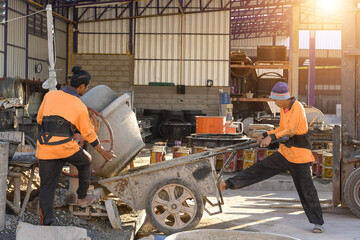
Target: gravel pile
[(98, 228)]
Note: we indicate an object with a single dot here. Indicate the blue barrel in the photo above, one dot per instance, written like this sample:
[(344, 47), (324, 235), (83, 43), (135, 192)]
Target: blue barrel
[(225, 98)]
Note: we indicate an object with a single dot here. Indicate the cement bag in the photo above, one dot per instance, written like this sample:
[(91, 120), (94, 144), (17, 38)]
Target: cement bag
[(26, 231)]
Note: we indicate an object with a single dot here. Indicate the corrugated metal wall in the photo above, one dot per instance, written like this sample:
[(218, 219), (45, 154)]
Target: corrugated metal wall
[(205, 48), (37, 46), (328, 43), (16, 39), (103, 37)]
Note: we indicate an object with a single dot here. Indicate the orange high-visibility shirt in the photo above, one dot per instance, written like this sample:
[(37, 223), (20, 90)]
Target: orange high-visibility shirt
[(293, 122), (71, 108)]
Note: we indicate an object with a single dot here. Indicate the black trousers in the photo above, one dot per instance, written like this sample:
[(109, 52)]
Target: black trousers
[(301, 174), (49, 173)]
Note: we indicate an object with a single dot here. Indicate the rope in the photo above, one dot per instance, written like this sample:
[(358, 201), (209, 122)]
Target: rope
[(10, 20)]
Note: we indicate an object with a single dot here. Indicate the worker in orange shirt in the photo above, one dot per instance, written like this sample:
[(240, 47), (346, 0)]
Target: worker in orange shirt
[(294, 156), (64, 121)]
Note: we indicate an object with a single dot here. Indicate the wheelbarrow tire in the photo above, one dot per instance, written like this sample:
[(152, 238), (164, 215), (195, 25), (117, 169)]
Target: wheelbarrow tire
[(174, 205), (352, 192)]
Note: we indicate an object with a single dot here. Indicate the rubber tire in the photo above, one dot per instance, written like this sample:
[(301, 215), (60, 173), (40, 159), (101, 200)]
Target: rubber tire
[(352, 186), (199, 211)]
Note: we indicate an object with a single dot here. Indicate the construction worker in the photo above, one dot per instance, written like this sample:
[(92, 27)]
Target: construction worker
[(63, 117), (294, 156)]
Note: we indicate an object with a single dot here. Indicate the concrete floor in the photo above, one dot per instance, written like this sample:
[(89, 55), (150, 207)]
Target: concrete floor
[(280, 214), (273, 206)]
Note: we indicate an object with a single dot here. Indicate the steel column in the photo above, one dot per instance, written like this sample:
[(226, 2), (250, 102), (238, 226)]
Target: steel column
[(294, 49), (5, 37), (349, 89), (311, 73)]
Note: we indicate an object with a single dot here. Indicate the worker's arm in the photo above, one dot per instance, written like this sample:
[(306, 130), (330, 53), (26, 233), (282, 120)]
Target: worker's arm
[(88, 133)]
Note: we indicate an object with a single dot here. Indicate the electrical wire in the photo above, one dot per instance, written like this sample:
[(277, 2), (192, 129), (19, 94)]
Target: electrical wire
[(10, 20)]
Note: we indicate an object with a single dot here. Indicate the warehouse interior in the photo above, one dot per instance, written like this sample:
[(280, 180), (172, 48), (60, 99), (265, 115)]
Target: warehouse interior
[(182, 63)]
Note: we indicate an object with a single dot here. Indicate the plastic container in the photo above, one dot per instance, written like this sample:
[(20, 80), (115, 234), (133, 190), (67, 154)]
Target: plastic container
[(127, 137), (205, 124), (225, 98)]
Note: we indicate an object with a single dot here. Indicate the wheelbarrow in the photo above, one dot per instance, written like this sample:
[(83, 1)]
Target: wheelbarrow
[(174, 192)]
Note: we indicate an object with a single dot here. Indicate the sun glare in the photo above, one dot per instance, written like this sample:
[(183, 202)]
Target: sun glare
[(327, 5)]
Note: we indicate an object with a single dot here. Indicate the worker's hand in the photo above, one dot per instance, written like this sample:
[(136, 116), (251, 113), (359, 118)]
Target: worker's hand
[(108, 155), (259, 139), (265, 142), (222, 186), (79, 139)]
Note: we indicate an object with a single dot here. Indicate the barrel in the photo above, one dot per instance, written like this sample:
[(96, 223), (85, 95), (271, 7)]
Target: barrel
[(205, 124), (4, 151), (127, 138)]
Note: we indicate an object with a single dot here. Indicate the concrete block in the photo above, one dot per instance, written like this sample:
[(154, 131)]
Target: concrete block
[(106, 73), (84, 56), (126, 85), (106, 63), (116, 84), (117, 73), (94, 73), (26, 231), (111, 68), (110, 78), (93, 62)]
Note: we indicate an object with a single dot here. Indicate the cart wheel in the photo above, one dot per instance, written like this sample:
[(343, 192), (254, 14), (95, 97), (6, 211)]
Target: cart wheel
[(174, 206), (352, 192)]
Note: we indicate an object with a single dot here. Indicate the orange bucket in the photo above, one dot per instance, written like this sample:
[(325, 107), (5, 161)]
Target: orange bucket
[(210, 124), (230, 128)]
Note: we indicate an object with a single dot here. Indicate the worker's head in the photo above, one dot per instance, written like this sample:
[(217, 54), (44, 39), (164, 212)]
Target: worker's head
[(80, 80), (280, 93)]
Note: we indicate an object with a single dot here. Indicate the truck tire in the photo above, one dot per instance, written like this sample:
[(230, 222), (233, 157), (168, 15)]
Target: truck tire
[(352, 192), (174, 205)]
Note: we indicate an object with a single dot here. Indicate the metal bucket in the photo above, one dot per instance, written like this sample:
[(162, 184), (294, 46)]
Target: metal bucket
[(4, 150), (215, 234), (127, 138)]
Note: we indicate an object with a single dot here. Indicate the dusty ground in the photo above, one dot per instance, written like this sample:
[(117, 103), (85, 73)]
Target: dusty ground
[(244, 210)]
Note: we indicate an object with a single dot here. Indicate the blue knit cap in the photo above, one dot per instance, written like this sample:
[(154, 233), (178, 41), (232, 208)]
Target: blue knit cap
[(280, 91)]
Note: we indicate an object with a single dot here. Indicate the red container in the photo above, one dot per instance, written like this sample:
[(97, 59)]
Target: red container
[(210, 124), (157, 156), (233, 164), (240, 164), (240, 155), (261, 154)]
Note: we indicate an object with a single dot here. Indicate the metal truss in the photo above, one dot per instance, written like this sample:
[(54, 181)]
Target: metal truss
[(260, 18), (249, 18)]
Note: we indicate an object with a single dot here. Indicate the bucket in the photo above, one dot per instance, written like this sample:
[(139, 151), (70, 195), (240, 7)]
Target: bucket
[(157, 154), (206, 124), (231, 168), (127, 138), (4, 151)]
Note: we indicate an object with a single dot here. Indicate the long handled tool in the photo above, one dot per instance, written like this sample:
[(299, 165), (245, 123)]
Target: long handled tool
[(239, 147)]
